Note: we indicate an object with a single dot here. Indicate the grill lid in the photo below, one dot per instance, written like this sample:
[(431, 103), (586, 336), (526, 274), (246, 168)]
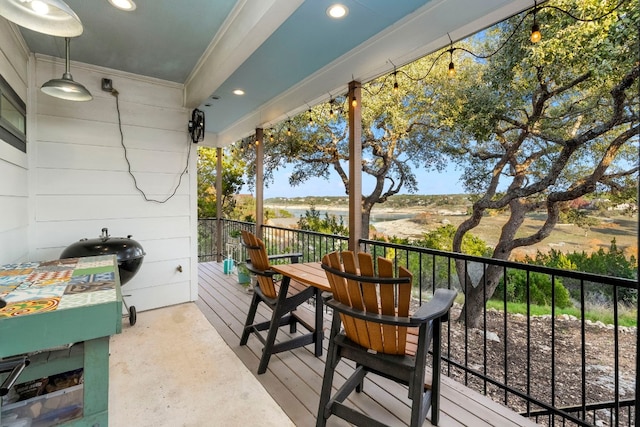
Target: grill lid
[(125, 248)]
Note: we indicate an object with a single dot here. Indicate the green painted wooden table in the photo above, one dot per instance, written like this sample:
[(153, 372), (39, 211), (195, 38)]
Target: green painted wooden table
[(51, 305)]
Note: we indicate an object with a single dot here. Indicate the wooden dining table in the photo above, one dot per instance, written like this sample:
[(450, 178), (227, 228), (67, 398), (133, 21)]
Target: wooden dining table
[(309, 274)]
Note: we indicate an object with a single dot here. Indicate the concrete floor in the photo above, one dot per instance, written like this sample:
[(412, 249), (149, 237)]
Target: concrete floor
[(173, 369)]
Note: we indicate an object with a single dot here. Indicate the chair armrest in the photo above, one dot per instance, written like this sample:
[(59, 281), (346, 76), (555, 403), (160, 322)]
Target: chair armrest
[(294, 257), (371, 317), (438, 306), (267, 273)]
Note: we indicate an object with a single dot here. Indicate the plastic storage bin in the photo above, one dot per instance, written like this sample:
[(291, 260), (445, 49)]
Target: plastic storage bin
[(46, 410)]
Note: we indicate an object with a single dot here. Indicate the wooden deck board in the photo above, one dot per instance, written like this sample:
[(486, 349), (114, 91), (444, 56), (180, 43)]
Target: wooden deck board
[(294, 378)]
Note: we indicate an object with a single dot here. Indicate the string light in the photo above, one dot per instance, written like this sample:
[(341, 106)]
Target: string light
[(451, 72), (536, 36)]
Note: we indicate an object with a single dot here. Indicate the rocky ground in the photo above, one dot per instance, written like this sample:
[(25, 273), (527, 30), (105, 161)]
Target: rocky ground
[(559, 358)]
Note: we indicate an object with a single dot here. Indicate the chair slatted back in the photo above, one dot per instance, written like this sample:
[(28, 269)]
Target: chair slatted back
[(259, 260), (390, 299)]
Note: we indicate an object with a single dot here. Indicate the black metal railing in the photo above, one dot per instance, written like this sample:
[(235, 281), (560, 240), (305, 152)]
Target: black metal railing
[(551, 367), (310, 244), (230, 245), (556, 368)]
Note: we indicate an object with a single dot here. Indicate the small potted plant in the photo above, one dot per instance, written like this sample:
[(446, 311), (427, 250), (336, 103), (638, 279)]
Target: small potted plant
[(243, 273), (234, 237)]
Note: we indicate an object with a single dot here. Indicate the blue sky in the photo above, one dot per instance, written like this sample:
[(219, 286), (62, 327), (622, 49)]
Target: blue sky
[(446, 182)]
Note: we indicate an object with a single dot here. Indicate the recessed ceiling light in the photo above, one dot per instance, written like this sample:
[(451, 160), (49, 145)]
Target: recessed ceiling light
[(127, 5), (238, 92), (337, 11)]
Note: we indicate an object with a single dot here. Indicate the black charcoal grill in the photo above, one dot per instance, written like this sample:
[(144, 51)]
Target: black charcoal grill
[(129, 254)]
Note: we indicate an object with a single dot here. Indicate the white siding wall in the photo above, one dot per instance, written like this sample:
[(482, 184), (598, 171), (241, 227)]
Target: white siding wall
[(79, 181), (14, 201)]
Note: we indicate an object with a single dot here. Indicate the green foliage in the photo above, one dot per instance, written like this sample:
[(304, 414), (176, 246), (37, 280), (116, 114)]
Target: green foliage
[(312, 221), (611, 262), (232, 181), (245, 208), (442, 239), (538, 292)]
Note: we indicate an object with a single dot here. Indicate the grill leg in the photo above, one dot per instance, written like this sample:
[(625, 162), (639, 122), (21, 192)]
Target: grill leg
[(130, 312)]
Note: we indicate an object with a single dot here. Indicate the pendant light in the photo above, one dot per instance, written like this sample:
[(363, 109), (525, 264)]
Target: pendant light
[(66, 88), (53, 17)]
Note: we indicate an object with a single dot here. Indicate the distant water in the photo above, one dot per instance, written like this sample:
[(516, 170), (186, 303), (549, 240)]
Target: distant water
[(375, 217)]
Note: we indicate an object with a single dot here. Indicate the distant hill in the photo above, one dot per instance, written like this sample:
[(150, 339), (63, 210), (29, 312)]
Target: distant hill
[(398, 201)]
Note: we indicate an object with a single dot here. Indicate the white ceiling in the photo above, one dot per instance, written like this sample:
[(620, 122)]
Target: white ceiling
[(286, 55)]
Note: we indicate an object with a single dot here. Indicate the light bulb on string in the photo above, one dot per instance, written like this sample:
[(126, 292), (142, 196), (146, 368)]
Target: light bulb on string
[(451, 72), (536, 35), (395, 81), (354, 102)]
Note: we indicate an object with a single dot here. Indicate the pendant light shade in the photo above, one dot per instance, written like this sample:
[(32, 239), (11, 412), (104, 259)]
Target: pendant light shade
[(65, 87), (53, 17)]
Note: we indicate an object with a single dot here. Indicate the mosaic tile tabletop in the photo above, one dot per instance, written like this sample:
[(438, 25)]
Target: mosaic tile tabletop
[(35, 287)]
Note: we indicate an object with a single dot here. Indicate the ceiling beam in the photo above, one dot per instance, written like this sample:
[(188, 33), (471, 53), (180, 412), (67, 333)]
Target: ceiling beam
[(247, 27)]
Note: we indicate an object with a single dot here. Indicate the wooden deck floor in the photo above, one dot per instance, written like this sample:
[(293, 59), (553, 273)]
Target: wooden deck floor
[(294, 378)]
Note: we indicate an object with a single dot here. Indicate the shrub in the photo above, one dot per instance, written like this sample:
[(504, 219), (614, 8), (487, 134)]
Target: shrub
[(311, 221), (539, 289), (612, 262)]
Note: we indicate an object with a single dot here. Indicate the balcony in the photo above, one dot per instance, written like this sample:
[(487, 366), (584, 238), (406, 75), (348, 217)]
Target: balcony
[(547, 368), (294, 378)]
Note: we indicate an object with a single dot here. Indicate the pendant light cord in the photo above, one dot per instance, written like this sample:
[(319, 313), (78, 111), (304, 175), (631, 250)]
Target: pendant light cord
[(115, 93)]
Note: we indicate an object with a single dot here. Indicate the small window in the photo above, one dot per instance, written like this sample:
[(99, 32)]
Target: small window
[(13, 115)]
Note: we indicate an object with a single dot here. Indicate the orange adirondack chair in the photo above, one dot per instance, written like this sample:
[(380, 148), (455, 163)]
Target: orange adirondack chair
[(374, 313), (281, 296)]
